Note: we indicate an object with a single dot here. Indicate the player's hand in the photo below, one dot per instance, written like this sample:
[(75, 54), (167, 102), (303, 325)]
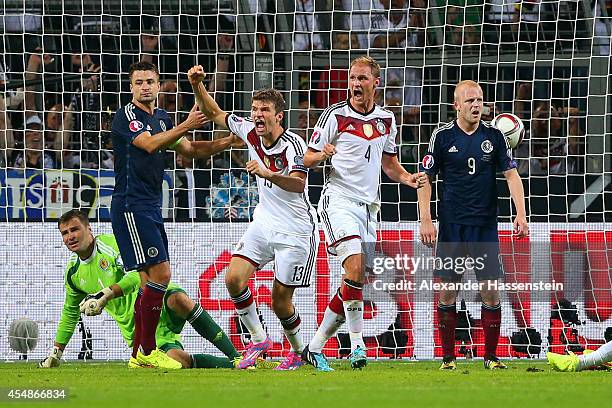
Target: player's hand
[(92, 305), (53, 360), (255, 169), (521, 228), (196, 74), (196, 119), (416, 180), (235, 141), (428, 233), (328, 151)]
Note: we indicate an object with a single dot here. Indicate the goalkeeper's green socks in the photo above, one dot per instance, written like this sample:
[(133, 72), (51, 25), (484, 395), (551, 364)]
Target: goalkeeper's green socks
[(208, 361), (207, 328)]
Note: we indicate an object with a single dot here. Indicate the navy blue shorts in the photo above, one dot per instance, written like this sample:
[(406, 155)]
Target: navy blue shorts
[(468, 247), (141, 238)]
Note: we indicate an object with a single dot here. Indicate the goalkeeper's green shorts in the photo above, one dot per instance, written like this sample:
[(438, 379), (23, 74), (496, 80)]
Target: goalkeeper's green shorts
[(170, 324), (170, 346)]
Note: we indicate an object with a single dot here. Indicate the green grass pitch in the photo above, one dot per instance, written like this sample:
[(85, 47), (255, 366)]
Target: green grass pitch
[(420, 384)]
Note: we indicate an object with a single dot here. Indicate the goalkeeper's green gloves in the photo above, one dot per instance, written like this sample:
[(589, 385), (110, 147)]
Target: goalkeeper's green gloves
[(92, 305), (53, 360)]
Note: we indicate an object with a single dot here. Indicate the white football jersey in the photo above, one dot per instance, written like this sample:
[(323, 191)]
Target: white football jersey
[(360, 141), (280, 210)]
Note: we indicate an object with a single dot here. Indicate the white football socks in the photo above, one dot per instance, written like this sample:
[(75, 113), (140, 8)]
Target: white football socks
[(353, 310), (602, 355), (328, 328)]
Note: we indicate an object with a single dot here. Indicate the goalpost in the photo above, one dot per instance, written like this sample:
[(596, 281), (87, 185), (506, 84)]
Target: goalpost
[(63, 72)]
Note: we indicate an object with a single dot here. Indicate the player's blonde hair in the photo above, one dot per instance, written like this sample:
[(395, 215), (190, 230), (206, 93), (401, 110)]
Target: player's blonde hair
[(463, 84), (369, 61)]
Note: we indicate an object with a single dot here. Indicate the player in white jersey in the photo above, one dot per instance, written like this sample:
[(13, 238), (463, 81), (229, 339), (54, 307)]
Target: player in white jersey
[(284, 228), (359, 137)]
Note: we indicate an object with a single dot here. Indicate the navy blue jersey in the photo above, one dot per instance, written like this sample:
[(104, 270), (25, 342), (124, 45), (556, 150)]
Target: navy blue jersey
[(468, 165), (138, 174)]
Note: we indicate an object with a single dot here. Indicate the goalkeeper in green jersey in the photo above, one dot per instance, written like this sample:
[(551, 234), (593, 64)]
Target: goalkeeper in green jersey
[(95, 280)]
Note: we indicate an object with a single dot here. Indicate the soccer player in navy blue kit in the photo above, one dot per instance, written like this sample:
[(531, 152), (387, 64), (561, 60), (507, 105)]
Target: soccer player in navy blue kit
[(141, 134), (468, 153)]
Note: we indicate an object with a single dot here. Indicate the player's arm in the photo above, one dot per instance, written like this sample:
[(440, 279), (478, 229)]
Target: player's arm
[(203, 99), (295, 182), (505, 164), (427, 230), (93, 305), (313, 157), (65, 328), (515, 185), (319, 147), (153, 143), (396, 172), (430, 166), (204, 149)]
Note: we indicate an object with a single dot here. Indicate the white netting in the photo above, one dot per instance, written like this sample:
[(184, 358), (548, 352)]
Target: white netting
[(63, 67)]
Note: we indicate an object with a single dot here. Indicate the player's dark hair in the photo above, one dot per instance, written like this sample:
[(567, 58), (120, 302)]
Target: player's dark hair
[(143, 66), (67, 216), (271, 95)]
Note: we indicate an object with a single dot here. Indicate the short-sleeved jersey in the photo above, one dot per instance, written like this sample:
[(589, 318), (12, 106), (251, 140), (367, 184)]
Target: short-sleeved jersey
[(280, 210), (103, 269), (138, 174), (360, 140), (468, 165)]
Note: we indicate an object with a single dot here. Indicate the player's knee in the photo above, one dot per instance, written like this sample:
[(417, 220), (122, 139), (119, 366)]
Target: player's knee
[(448, 297), (354, 268), (234, 282), (159, 273), (490, 298), (180, 303)]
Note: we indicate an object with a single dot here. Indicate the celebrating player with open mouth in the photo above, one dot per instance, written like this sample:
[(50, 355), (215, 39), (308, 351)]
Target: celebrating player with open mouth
[(141, 135), (284, 229), (358, 136), (468, 153)]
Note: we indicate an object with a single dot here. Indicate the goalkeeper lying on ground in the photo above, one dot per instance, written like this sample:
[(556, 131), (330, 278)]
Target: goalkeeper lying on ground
[(94, 269)]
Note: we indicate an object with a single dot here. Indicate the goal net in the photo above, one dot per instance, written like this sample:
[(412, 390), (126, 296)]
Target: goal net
[(64, 72)]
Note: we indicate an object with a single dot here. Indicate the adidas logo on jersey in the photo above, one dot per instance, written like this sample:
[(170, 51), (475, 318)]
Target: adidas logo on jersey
[(149, 127), (350, 127), (453, 150)]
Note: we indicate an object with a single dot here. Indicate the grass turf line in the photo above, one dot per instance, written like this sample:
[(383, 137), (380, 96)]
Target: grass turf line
[(380, 384)]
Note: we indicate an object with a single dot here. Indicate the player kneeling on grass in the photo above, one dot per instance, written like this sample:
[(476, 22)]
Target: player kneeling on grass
[(94, 269), (600, 358)]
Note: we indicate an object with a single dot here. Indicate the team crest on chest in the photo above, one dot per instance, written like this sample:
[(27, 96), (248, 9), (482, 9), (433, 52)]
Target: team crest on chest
[(487, 146), (103, 264), (368, 131), (162, 124), (380, 126)]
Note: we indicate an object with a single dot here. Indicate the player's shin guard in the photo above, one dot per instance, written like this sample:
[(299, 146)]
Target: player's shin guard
[(491, 323), (292, 328), (447, 322), (247, 311), (332, 320), (137, 324), (150, 308), (602, 355), (210, 330), (352, 293)]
